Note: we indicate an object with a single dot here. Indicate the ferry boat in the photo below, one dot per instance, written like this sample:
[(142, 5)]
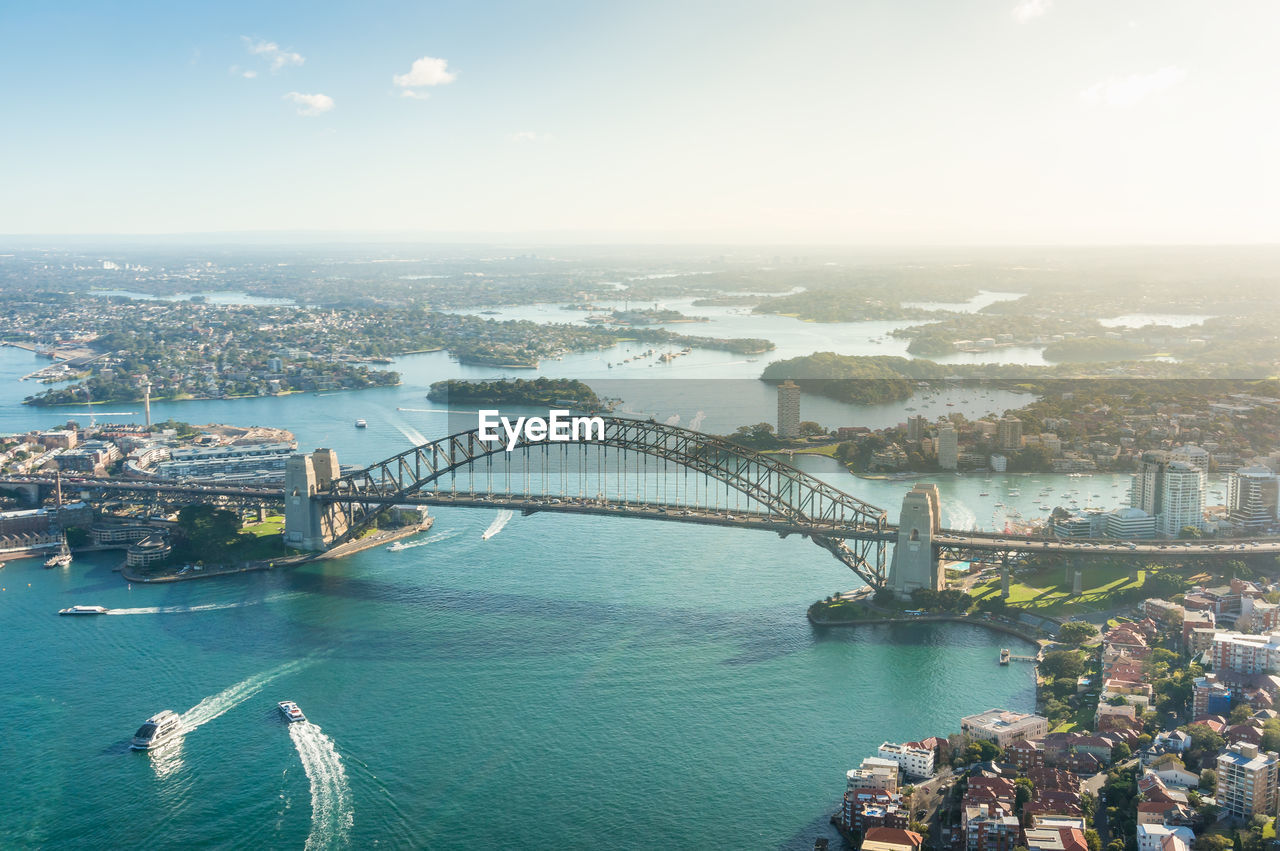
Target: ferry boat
[(62, 558), (84, 610), (290, 711), (360, 423), (1004, 656), (157, 730)]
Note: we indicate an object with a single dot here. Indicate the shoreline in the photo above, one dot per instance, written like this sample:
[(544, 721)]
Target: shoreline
[(350, 548), (994, 626)]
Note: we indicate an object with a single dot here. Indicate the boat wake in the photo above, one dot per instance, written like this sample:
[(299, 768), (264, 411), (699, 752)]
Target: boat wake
[(499, 522), (440, 536), (205, 607), (215, 706), (331, 811), (415, 437)]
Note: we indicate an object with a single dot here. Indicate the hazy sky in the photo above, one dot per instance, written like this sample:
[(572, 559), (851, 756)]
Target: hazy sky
[(845, 121)]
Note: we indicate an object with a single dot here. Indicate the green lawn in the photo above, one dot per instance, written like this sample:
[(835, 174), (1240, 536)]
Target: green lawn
[(273, 525), (1047, 592)]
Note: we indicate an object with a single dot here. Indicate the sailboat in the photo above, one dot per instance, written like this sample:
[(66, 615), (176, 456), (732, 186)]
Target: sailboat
[(62, 558)]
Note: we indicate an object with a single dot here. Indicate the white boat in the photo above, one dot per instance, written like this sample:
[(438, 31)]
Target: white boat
[(84, 610), (62, 558), (290, 711), (397, 547), (360, 423), (157, 730)]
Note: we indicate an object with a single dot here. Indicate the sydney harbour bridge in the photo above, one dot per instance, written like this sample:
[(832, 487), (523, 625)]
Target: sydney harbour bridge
[(643, 469)]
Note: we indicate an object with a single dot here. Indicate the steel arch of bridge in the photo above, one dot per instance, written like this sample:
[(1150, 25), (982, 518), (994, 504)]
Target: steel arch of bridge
[(854, 531)]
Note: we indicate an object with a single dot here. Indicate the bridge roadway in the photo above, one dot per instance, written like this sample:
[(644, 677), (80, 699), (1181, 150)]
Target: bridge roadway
[(951, 539)]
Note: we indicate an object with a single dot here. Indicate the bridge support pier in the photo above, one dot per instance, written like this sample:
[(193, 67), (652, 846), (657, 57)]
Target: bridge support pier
[(308, 524), (915, 561), (1004, 576), (1077, 584)]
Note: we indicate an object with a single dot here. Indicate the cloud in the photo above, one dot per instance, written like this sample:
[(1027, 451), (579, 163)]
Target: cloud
[(249, 75), (427, 71), (271, 52), (237, 71), (310, 104), (1128, 91), (1028, 9)]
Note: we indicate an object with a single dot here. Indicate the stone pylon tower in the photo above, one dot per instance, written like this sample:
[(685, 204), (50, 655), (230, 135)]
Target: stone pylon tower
[(914, 565), (307, 525)]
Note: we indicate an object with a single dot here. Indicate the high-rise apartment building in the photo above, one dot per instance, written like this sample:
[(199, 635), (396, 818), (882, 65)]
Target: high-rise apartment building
[(1170, 490), (1247, 781), (788, 410), (948, 447), (1009, 434), (1252, 498)]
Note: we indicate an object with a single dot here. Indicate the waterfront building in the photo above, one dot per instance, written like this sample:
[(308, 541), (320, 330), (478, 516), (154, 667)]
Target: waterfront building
[(1003, 726), (916, 426), (913, 758), (1246, 654), (227, 462), (1247, 781), (999, 463), (874, 773), (948, 447), (788, 409), (1171, 490), (891, 839), (148, 551), (1182, 502), (1009, 434), (1253, 494)]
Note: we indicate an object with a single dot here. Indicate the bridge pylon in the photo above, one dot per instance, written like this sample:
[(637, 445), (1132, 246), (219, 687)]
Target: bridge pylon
[(915, 562), (309, 524)]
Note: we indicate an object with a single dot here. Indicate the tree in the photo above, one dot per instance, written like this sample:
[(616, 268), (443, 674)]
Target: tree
[(1063, 663), (1187, 532), (1204, 739), (1271, 734), (1240, 713), (1025, 791), (1120, 752), (1076, 632), (1093, 840), (1208, 779), (809, 427), (1213, 842)]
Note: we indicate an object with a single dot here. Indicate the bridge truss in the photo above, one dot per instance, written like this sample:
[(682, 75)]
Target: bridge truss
[(638, 468)]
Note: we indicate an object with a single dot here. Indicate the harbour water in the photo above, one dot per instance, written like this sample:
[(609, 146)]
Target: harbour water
[(569, 682)]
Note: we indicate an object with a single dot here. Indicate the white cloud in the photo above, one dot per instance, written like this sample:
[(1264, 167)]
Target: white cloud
[(1028, 9), (310, 104), (1131, 90), (271, 52), (249, 75), (427, 71)]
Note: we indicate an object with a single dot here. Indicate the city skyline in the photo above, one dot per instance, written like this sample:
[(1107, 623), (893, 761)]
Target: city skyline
[(981, 122)]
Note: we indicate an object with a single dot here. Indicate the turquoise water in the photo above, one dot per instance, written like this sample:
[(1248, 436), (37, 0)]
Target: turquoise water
[(571, 682)]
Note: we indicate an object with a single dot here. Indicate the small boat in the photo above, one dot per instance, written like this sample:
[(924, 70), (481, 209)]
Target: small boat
[(62, 558), (290, 711), (361, 424), (1004, 656), (157, 730), (397, 547), (984, 493), (84, 610)]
